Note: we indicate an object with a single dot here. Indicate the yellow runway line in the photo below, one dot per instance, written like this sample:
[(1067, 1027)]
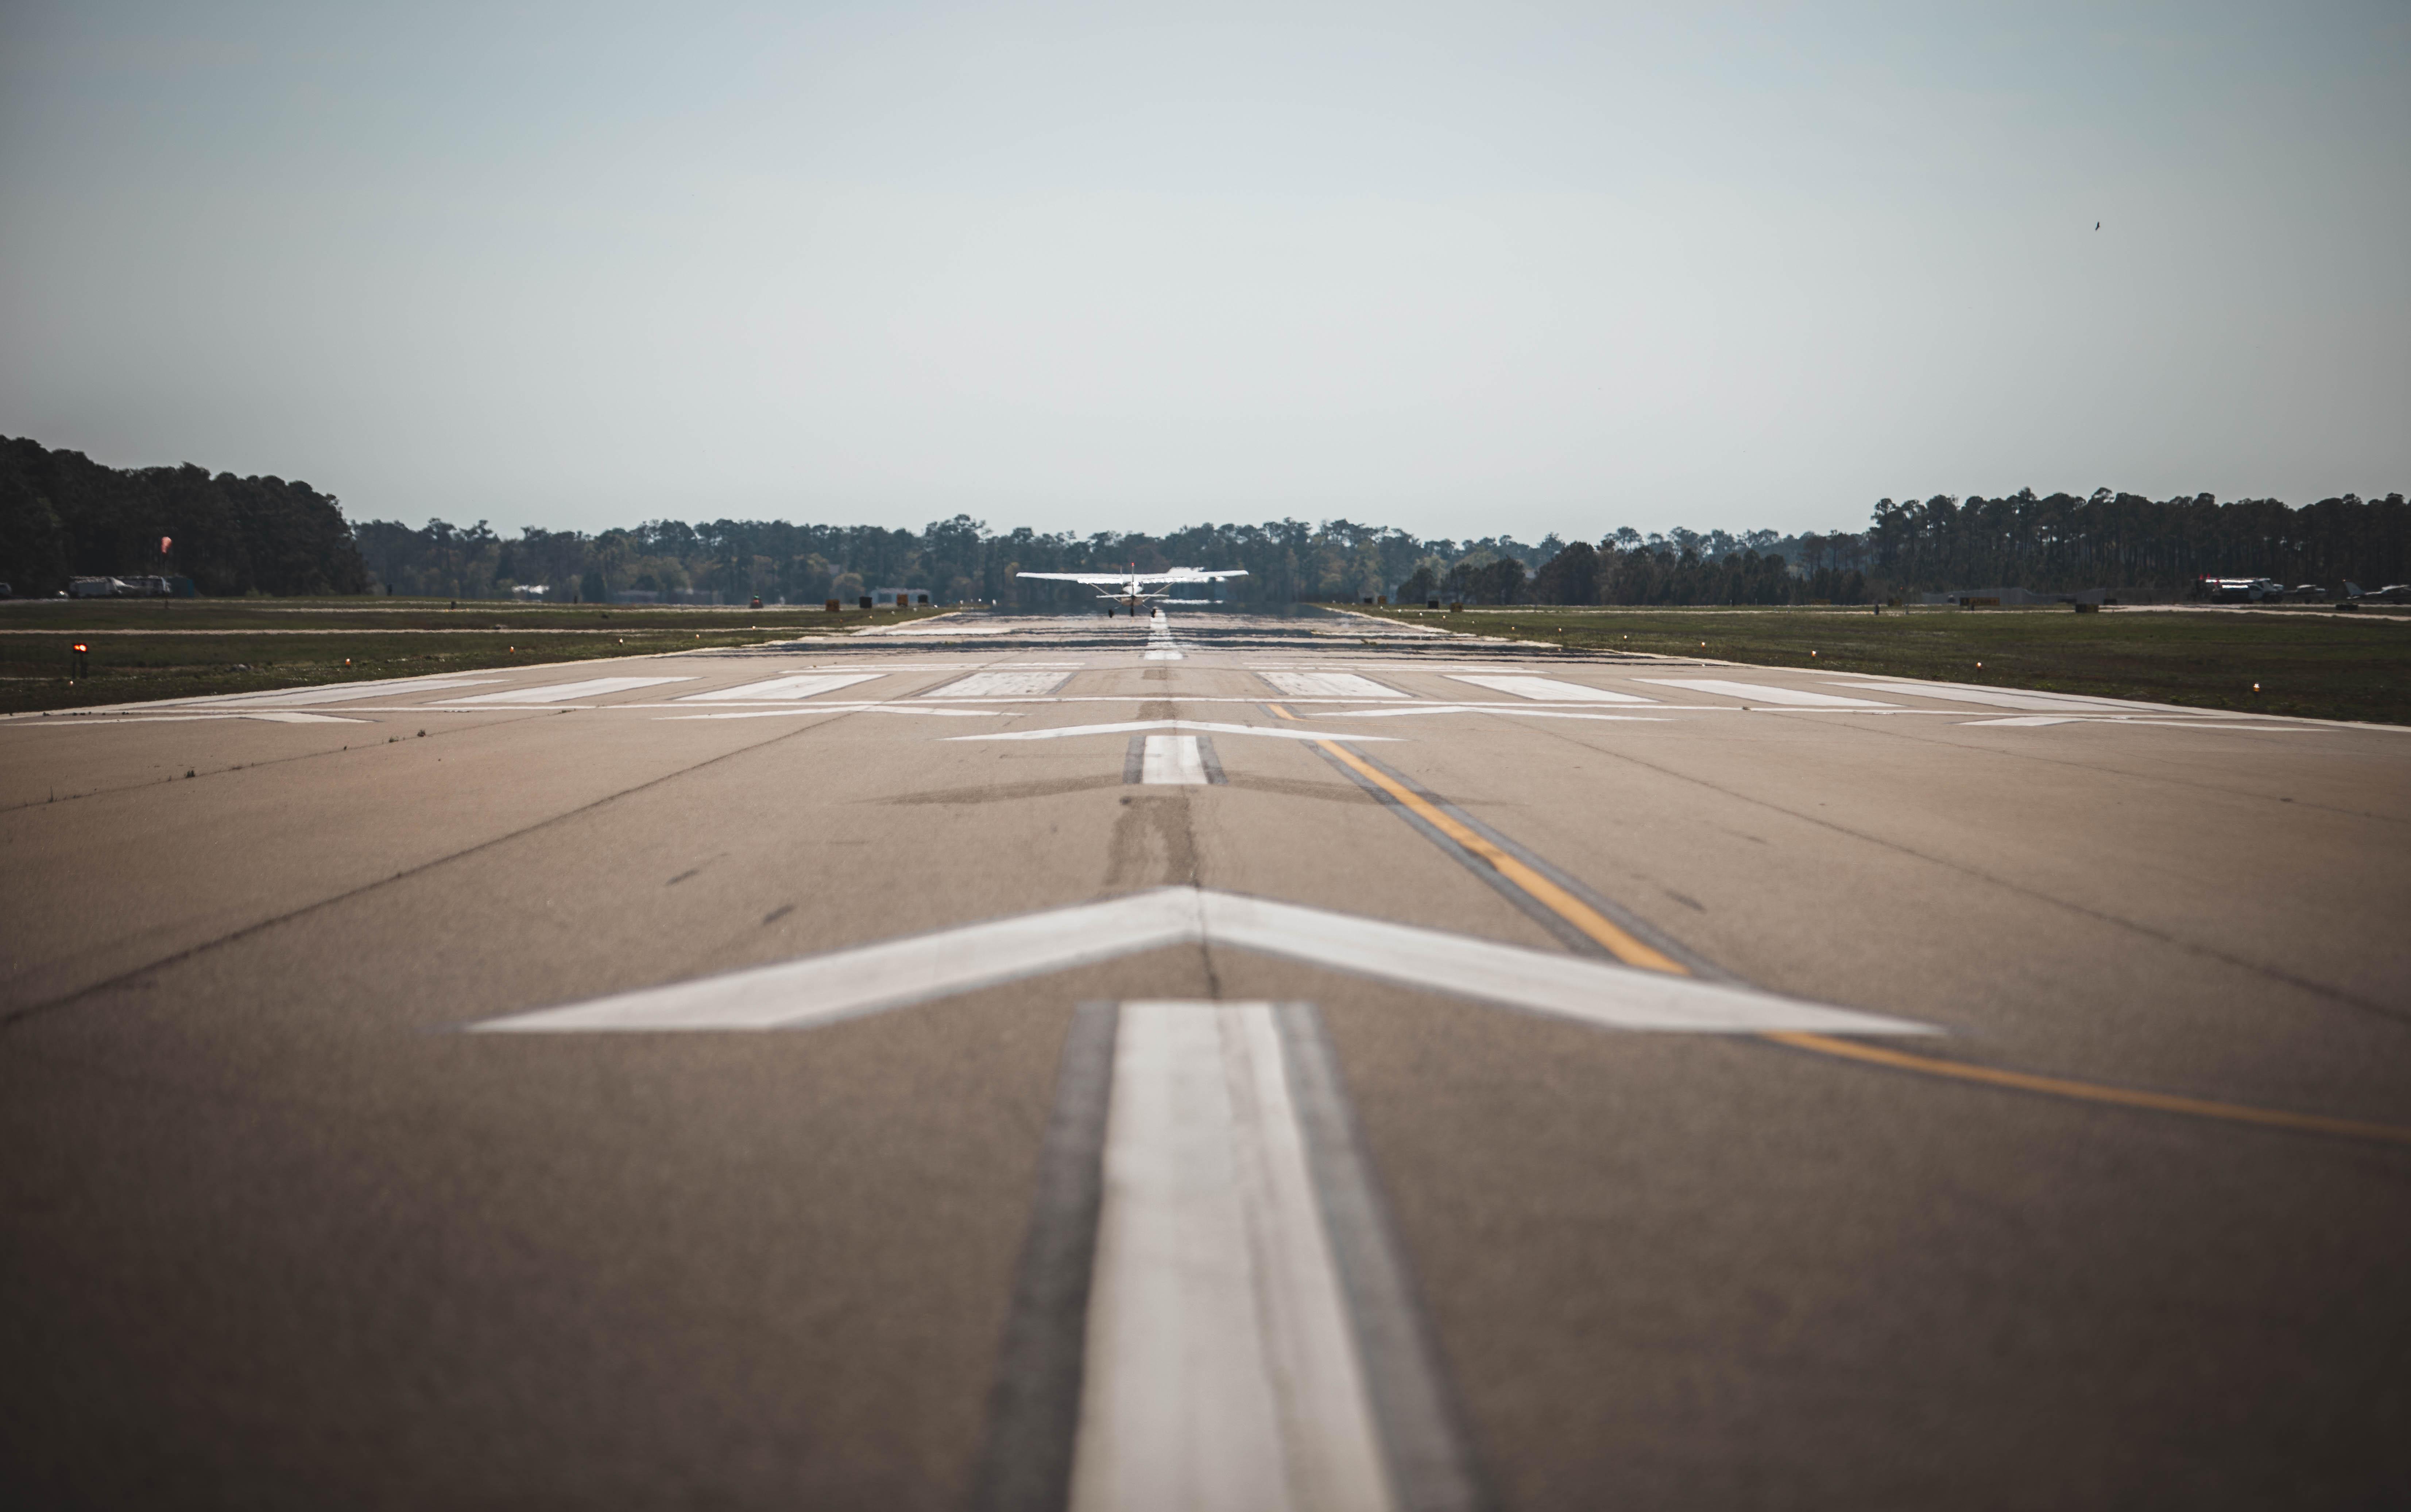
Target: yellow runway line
[(1573, 909), (2088, 1091), (1633, 953)]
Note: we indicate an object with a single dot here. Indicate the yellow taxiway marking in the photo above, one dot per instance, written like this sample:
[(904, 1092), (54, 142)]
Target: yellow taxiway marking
[(1633, 953), (2089, 1091), (1555, 898)]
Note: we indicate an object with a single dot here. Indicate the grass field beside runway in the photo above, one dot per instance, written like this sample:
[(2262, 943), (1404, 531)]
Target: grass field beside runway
[(155, 648), (2336, 666)]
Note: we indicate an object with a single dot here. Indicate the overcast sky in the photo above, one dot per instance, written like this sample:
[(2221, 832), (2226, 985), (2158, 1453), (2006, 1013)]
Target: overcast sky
[(1464, 269)]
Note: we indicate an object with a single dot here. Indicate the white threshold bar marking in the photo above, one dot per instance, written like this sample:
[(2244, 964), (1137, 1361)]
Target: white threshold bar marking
[(1762, 693), (1521, 711), (1221, 1372), (803, 685), (1549, 690), (1965, 692), (1125, 727), (1328, 685), (337, 692), (562, 692), (1002, 685)]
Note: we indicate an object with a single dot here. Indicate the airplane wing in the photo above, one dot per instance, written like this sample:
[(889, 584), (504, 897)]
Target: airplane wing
[(1179, 574)]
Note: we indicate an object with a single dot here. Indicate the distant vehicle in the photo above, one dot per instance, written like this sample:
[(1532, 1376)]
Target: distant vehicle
[(2242, 589), (118, 587), (2392, 593), (1135, 587)]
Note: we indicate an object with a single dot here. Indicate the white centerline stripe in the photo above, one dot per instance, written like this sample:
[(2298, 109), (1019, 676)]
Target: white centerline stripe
[(1221, 1374), (1172, 761)]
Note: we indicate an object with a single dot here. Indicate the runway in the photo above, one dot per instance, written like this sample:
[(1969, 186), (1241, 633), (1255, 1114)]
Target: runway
[(1221, 1062)]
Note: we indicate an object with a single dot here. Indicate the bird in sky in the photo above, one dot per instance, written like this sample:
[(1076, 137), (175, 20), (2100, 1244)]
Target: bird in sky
[(2097, 225)]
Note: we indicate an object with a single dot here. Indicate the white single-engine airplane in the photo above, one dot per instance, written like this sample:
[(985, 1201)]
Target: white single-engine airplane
[(1135, 587)]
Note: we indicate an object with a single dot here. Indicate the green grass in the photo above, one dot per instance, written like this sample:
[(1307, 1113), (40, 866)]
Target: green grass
[(2329, 665), (145, 649)]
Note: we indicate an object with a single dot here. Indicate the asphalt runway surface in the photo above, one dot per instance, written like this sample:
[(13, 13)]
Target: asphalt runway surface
[(1214, 1062)]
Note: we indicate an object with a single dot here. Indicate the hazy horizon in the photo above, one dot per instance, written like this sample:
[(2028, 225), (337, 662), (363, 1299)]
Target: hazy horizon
[(1465, 272)]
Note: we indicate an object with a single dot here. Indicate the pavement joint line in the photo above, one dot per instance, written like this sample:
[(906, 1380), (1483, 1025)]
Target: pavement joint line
[(10, 1019), (1423, 1424), (1034, 1405)]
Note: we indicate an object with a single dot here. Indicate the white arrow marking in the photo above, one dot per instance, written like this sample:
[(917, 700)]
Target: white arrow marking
[(1125, 727), (868, 977)]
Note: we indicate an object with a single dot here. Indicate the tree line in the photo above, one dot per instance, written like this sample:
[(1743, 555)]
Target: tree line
[(63, 516), (2058, 542)]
